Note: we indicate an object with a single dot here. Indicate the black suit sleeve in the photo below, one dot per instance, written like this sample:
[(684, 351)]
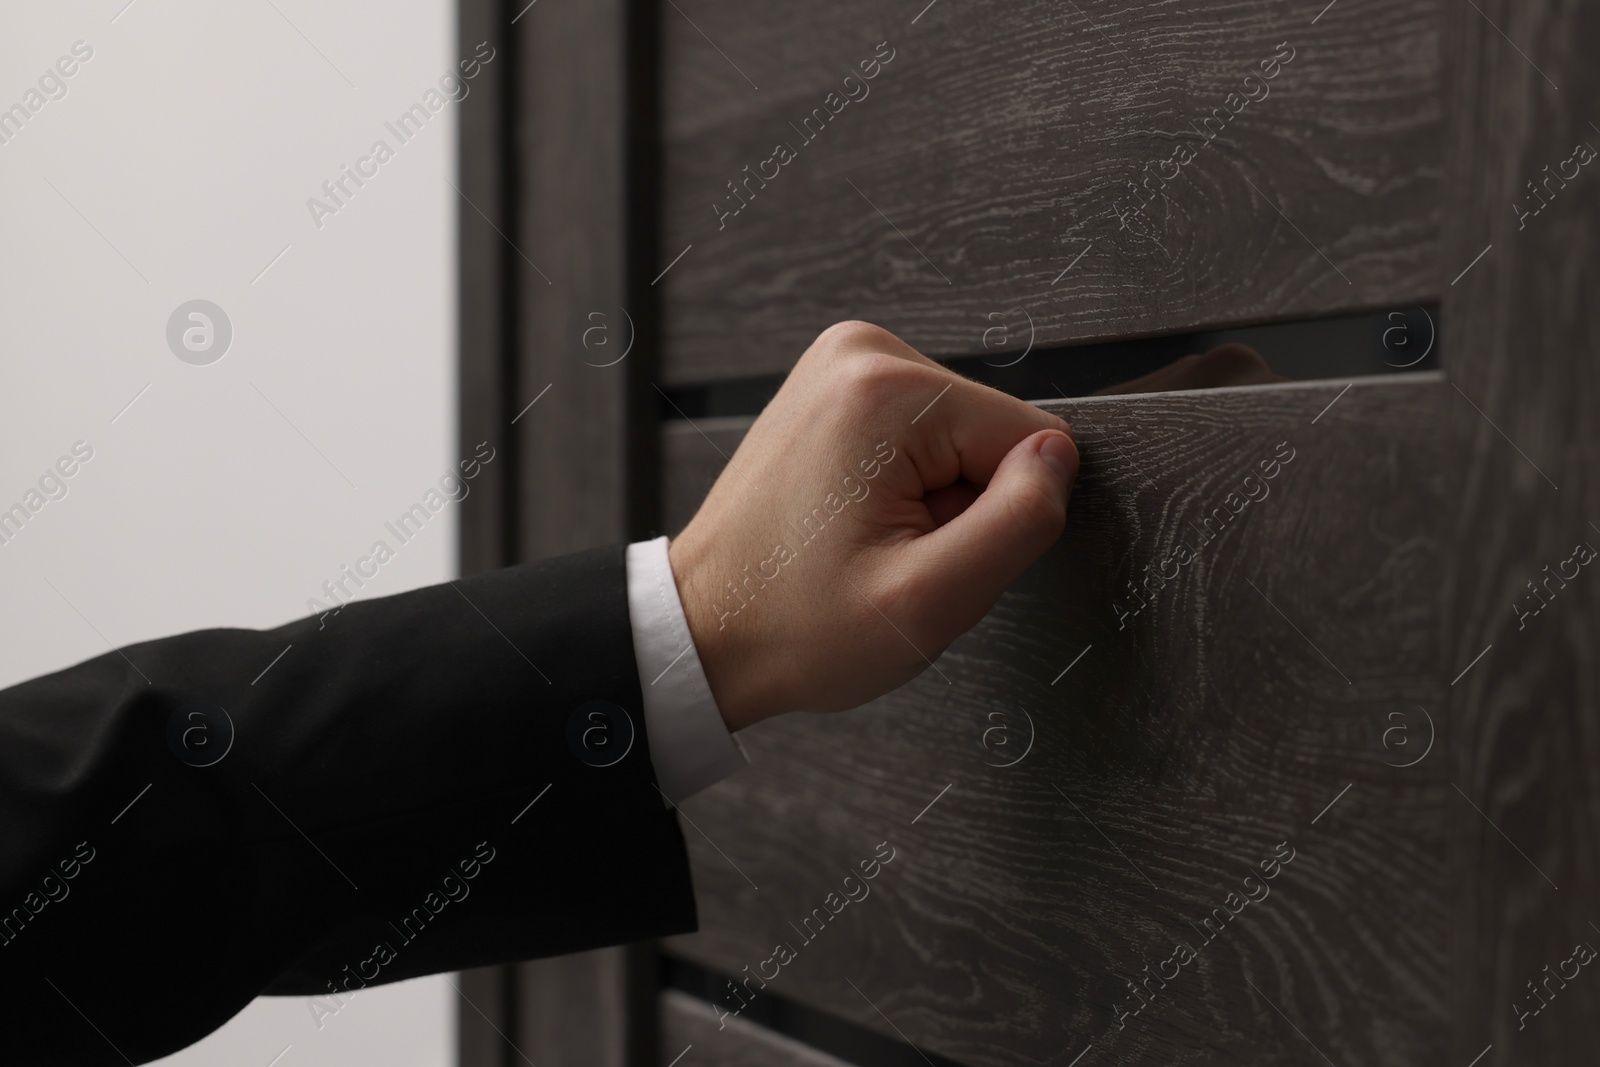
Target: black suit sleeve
[(420, 783)]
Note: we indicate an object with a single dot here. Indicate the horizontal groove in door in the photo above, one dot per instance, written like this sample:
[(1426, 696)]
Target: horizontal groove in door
[(1344, 347)]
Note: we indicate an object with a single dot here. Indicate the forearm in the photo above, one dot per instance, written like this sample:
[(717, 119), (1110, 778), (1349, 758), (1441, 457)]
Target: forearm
[(391, 747)]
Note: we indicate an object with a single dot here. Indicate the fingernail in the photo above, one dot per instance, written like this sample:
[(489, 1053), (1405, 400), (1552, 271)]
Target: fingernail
[(1061, 457)]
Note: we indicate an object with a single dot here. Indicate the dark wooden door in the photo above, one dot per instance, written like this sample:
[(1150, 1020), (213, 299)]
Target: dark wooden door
[(1277, 757)]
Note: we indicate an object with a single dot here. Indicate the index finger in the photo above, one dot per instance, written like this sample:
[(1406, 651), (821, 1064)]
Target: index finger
[(959, 428)]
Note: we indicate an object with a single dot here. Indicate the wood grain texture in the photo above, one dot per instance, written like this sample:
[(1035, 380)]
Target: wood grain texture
[(689, 1022), (997, 146), (1523, 333), (571, 122), (1166, 764)]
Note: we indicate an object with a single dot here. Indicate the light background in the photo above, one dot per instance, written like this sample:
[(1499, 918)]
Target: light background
[(191, 141)]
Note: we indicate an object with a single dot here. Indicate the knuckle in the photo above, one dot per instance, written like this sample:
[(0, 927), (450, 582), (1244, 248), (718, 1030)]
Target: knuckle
[(865, 367), (874, 378), (855, 336)]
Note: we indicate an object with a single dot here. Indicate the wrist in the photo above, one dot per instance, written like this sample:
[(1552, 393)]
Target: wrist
[(722, 635)]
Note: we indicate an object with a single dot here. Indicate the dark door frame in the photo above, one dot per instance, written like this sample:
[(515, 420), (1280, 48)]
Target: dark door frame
[(557, 132)]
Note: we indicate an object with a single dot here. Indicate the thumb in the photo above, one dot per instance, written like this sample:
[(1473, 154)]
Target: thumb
[(966, 564)]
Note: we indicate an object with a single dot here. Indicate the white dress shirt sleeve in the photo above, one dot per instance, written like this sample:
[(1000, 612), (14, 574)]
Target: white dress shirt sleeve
[(690, 745)]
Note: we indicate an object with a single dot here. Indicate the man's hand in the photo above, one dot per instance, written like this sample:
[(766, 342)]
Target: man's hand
[(875, 511)]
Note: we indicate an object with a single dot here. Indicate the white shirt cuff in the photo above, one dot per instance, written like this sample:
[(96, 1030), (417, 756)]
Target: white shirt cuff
[(690, 745)]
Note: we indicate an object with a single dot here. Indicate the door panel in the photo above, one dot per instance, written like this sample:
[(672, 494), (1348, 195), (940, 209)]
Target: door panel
[(1338, 669), (1523, 336), (1262, 684), (1002, 142)]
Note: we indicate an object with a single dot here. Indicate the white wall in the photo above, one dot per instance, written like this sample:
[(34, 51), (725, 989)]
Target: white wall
[(191, 140)]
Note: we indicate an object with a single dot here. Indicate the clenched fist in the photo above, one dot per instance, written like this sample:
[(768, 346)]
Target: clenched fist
[(875, 511)]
